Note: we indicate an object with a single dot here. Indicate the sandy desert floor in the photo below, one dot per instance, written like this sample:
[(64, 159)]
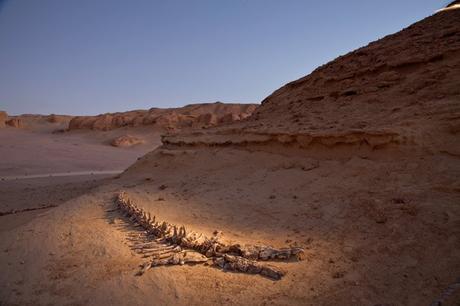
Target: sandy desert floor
[(27, 152), (367, 241), (371, 222), (39, 168)]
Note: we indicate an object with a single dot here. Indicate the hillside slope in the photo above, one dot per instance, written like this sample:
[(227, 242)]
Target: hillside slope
[(401, 89)]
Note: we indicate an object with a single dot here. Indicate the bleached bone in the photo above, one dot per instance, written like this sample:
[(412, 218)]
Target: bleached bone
[(172, 249), (184, 257), (165, 255), (151, 247), (229, 257), (241, 264)]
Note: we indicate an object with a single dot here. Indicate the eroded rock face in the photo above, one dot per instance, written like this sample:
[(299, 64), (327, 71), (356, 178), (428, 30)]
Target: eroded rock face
[(103, 123), (53, 118), (126, 141), (3, 118), (15, 122), (229, 118), (207, 119), (194, 115)]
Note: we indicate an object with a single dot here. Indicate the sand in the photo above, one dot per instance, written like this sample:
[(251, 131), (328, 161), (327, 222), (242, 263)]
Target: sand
[(362, 235), (39, 168), (26, 152)]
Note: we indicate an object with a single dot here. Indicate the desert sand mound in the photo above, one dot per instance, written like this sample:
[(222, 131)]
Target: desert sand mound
[(126, 141), (357, 164), (194, 115)]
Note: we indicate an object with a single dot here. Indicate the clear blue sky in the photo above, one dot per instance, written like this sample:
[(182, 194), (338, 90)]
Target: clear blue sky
[(95, 56)]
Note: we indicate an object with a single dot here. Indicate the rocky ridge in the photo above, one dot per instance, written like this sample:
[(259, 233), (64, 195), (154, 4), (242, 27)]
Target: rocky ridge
[(189, 116)]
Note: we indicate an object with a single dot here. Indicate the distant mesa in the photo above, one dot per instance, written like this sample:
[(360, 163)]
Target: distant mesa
[(190, 116), (199, 116), (53, 118)]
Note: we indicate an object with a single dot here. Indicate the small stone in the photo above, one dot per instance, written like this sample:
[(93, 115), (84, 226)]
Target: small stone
[(217, 233), (338, 275), (399, 201), (162, 187), (380, 218)]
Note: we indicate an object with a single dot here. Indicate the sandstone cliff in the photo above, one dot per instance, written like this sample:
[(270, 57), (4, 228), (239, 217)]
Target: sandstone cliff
[(190, 116)]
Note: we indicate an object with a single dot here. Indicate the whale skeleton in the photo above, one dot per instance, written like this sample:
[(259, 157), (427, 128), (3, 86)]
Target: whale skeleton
[(167, 244)]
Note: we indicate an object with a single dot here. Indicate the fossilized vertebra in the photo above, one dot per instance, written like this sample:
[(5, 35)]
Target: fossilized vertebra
[(175, 245)]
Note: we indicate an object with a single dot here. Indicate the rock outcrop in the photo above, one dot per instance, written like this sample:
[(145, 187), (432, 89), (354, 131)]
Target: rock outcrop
[(3, 118), (15, 122), (190, 116), (36, 122), (53, 118), (126, 141)]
